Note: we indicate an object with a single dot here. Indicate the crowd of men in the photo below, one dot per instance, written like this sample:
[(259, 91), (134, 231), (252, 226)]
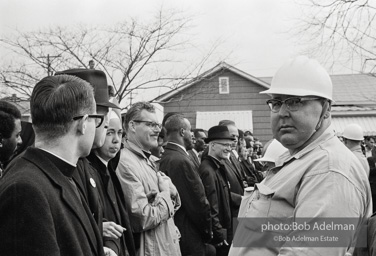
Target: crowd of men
[(94, 183)]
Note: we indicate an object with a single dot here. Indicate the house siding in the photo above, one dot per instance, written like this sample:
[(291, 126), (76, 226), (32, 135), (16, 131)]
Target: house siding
[(243, 95)]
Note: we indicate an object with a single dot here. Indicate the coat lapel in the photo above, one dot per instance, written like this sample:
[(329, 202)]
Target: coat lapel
[(67, 192)]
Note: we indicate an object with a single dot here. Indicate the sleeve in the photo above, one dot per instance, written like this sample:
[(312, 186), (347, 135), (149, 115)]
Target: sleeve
[(26, 223), (208, 179), (145, 214), (191, 191)]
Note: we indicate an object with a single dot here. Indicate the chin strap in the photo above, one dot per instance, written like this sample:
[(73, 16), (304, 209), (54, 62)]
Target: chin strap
[(322, 116)]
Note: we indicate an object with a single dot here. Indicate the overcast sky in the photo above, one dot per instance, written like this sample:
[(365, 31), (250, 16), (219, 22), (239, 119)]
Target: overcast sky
[(255, 32)]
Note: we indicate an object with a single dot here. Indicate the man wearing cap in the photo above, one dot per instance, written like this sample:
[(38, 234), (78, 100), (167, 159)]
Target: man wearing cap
[(214, 177), (317, 178), (352, 138), (42, 211), (86, 173)]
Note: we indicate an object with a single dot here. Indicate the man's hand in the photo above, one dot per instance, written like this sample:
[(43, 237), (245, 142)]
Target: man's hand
[(224, 242), (163, 182), (109, 252), (113, 230), (173, 190)]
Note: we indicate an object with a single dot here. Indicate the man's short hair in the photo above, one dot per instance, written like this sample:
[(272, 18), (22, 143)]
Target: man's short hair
[(168, 115), (8, 114), (174, 123), (197, 131), (226, 123), (134, 112), (54, 102)]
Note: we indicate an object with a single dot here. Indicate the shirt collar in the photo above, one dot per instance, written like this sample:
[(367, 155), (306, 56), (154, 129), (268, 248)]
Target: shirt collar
[(101, 159), (179, 146), (286, 157)]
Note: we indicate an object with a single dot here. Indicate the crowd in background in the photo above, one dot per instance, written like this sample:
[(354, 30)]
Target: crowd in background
[(86, 181)]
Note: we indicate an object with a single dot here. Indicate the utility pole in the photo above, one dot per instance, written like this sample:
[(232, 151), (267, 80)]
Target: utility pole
[(49, 71), (131, 97)]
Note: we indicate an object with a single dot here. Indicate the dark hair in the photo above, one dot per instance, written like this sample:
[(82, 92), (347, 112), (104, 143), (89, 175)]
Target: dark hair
[(55, 100), (197, 131), (226, 123), (134, 112), (162, 133), (246, 133), (169, 114), (8, 114), (241, 134), (174, 123)]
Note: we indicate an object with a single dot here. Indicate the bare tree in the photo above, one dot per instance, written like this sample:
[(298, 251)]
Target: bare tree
[(342, 29), (133, 54)]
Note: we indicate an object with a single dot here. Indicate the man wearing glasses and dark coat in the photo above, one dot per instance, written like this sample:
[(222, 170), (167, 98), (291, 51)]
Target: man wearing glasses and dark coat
[(217, 187)]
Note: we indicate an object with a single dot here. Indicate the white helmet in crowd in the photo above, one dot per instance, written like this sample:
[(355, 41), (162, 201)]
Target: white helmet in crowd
[(302, 76), (353, 132), (273, 151)]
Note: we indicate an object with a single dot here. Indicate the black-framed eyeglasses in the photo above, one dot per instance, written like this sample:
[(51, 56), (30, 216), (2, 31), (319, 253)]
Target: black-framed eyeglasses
[(152, 125), (98, 119), (292, 104), (226, 145)]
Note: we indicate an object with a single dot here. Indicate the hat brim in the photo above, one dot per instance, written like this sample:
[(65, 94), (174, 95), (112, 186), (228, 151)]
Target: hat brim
[(108, 104), (207, 140)]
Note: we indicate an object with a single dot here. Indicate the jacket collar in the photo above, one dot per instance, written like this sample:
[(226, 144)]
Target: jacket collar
[(69, 196), (286, 157)]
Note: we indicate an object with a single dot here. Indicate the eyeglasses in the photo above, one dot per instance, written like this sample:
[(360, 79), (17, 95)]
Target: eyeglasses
[(152, 125), (98, 119), (292, 104), (226, 145)]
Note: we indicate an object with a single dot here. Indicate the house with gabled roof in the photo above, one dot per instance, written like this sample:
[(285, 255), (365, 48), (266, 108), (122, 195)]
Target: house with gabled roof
[(226, 92), (22, 104)]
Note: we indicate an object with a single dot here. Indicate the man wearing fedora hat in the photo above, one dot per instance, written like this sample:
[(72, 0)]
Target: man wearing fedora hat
[(214, 177), (86, 175)]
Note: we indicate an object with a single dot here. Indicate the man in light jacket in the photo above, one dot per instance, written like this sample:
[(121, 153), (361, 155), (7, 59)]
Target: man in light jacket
[(150, 196)]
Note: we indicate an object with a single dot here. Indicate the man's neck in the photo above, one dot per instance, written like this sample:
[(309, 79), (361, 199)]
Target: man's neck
[(62, 148)]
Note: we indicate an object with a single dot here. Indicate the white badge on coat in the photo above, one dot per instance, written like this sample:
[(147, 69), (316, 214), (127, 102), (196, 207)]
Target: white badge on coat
[(92, 182)]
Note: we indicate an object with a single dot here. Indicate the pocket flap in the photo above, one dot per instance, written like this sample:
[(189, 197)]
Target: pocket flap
[(264, 190)]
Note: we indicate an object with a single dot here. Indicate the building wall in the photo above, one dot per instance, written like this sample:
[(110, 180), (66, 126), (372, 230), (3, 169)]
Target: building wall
[(244, 95)]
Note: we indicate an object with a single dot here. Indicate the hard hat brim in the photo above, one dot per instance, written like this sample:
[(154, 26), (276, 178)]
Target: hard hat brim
[(295, 92)]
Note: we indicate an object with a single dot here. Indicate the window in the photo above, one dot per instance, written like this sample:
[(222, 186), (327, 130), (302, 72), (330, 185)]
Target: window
[(223, 85)]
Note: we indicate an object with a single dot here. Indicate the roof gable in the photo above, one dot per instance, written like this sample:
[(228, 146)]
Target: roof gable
[(221, 66)]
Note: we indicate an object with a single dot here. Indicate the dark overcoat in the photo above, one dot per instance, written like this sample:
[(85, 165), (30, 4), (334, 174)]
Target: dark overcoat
[(214, 177), (193, 218), (117, 201), (41, 213)]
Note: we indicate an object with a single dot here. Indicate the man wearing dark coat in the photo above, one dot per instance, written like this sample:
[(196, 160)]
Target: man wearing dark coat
[(217, 187), (42, 212), (109, 188), (86, 177), (193, 218)]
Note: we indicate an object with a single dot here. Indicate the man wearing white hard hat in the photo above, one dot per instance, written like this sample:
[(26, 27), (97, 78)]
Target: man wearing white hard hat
[(352, 138), (273, 149), (318, 178)]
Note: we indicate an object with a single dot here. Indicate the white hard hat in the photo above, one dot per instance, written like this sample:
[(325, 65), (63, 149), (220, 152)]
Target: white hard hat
[(353, 132), (274, 150), (302, 76)]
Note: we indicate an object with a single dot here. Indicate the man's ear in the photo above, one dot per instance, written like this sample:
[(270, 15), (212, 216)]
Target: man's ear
[(1, 140), (81, 125), (328, 107), (182, 132), (131, 127)]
